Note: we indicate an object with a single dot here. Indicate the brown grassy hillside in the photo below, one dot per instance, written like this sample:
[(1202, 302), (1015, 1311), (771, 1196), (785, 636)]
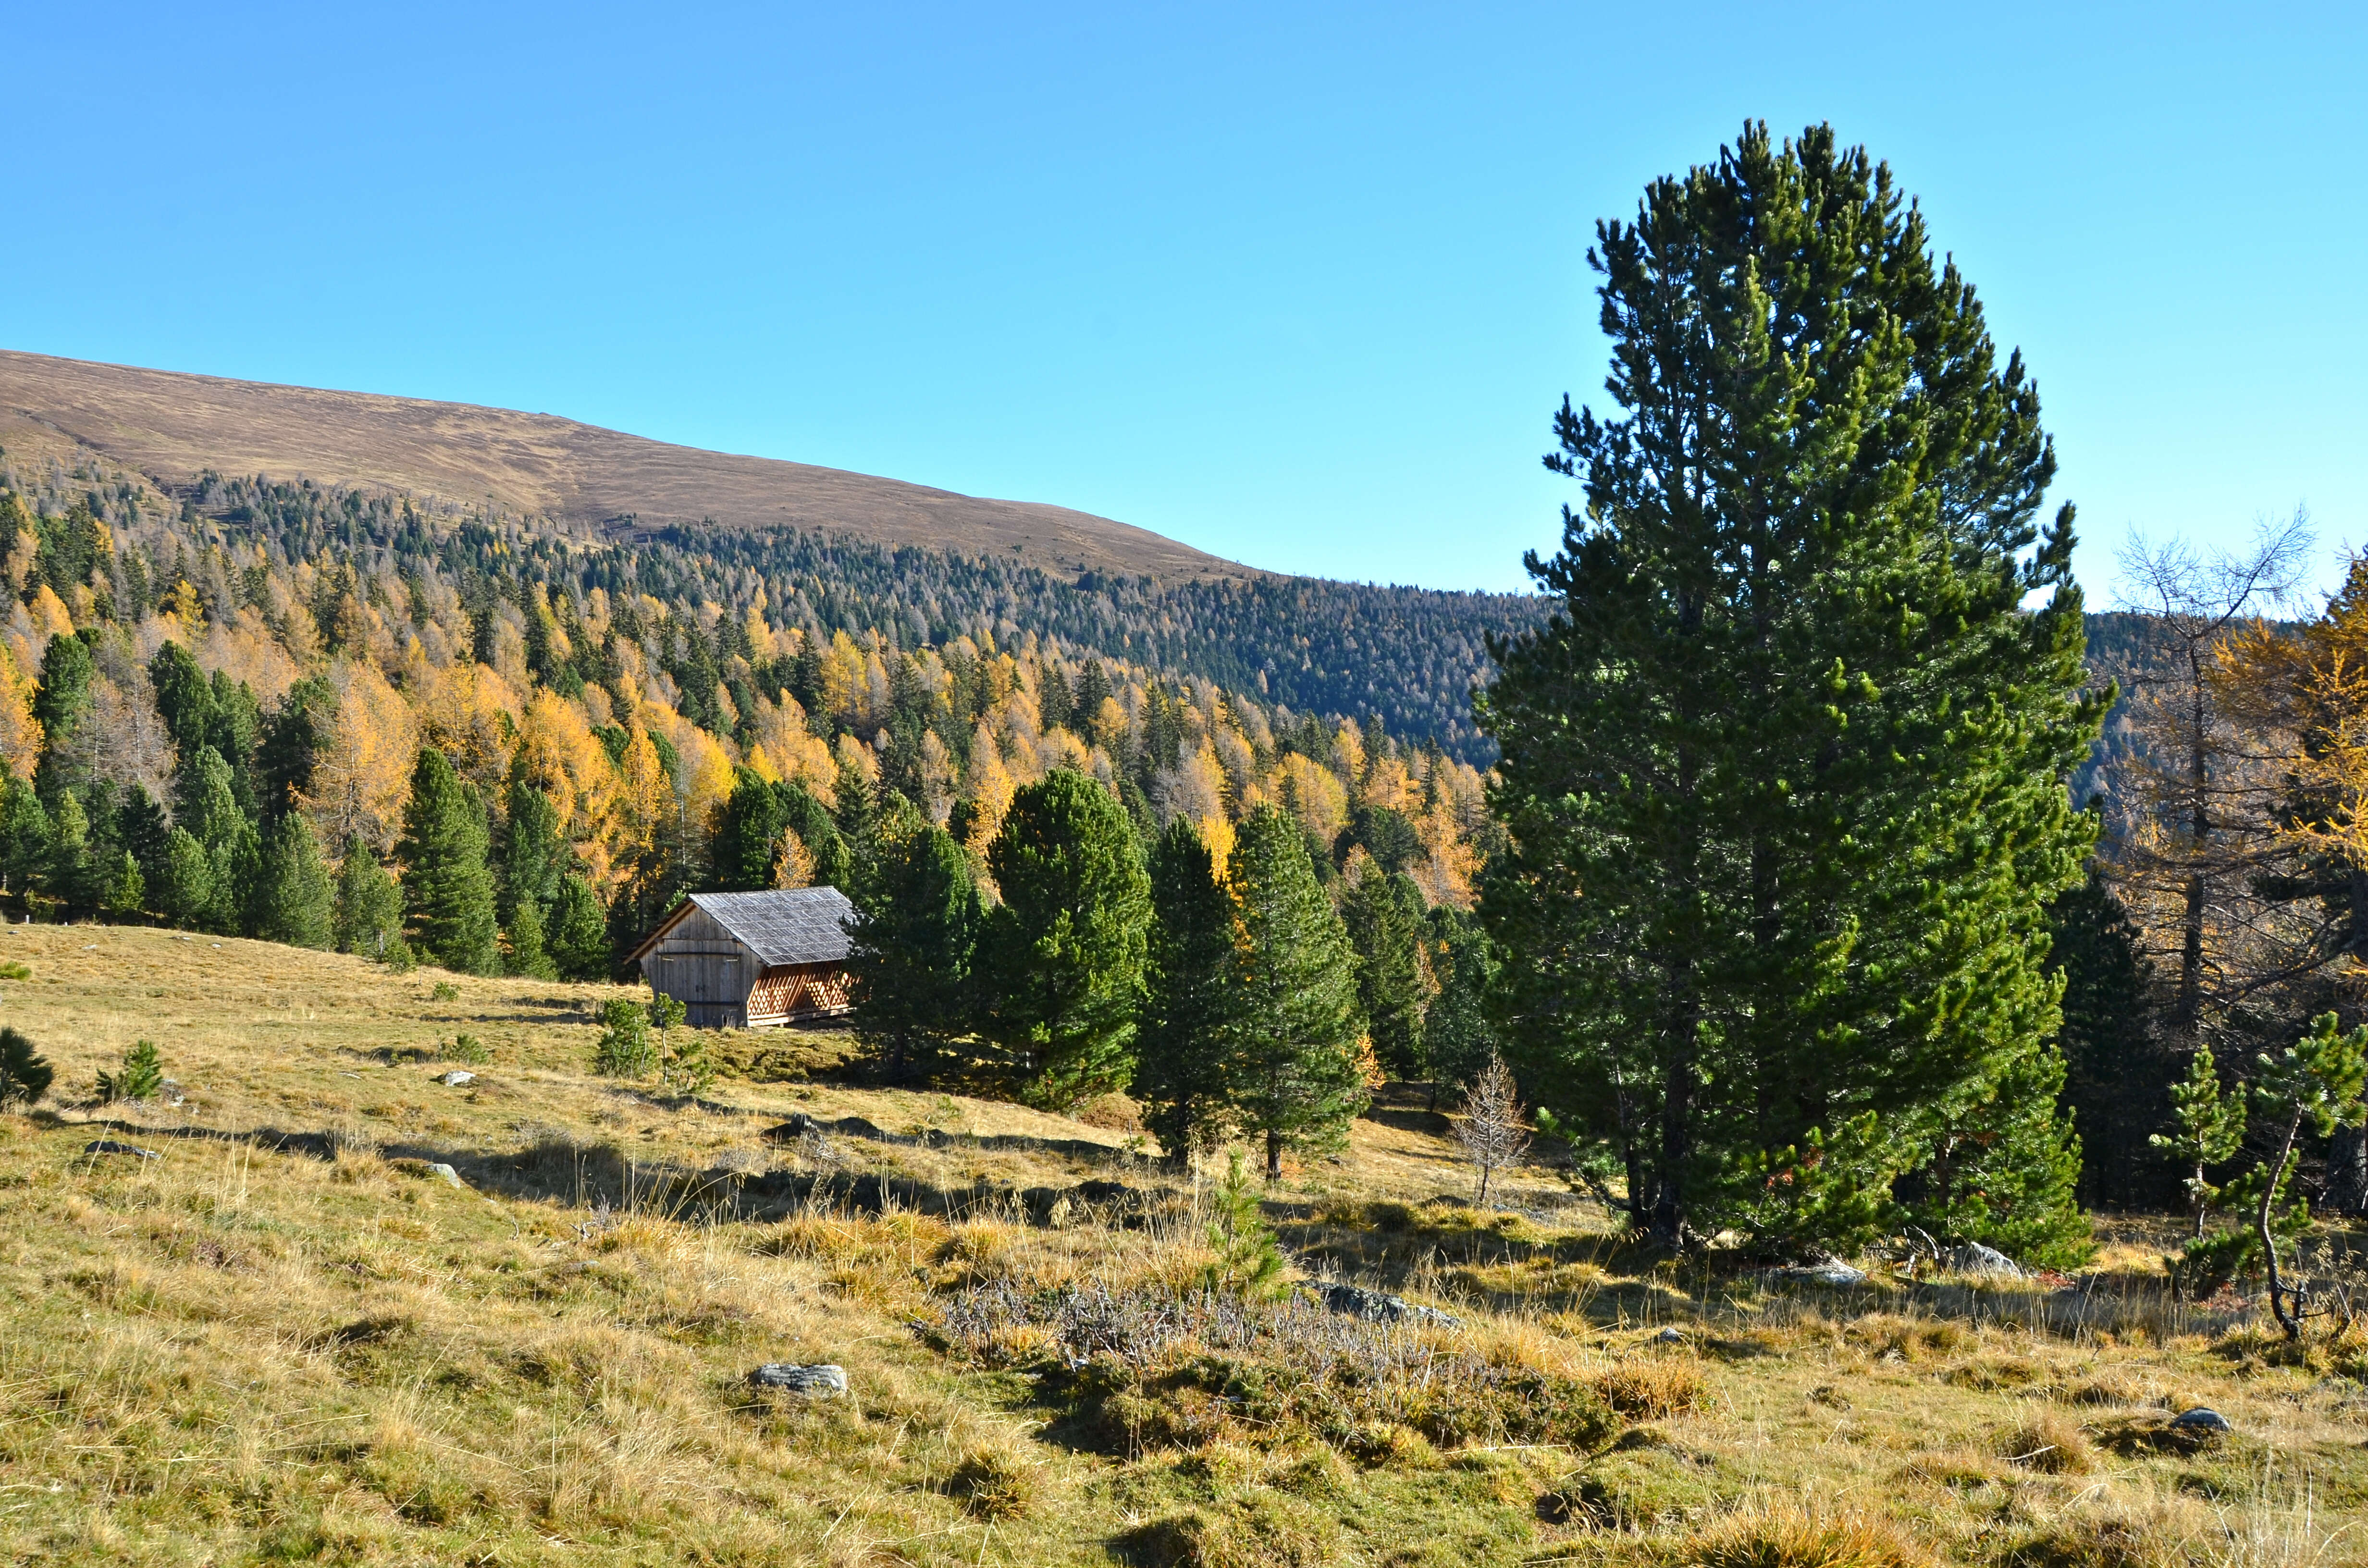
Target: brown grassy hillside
[(171, 427), (289, 1338)]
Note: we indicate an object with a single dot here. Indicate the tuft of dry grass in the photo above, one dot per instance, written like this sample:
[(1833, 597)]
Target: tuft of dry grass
[(2047, 1442), (1652, 1387), (1789, 1533)]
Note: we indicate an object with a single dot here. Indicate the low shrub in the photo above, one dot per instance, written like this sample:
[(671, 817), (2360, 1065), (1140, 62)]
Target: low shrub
[(1150, 1370), (995, 1484)]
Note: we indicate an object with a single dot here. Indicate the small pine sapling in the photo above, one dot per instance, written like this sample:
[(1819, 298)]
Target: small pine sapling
[(1248, 1263), (467, 1048), (141, 1077), (2211, 1127), (679, 1050), (624, 1049), (2316, 1082), (1491, 1132), (23, 1075)]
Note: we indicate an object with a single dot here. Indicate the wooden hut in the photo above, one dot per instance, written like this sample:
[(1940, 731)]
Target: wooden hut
[(753, 959)]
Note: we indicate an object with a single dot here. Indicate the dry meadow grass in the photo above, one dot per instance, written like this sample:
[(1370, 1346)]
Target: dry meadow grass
[(287, 1339)]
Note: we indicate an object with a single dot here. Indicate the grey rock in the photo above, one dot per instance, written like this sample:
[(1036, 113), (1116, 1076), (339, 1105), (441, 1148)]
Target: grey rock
[(1668, 1336), (455, 1078), (1976, 1258), (438, 1168), (2201, 1419), (1834, 1274), (1376, 1306), (799, 1125), (110, 1146), (823, 1381)]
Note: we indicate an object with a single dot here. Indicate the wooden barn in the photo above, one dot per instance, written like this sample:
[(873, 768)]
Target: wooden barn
[(753, 959)]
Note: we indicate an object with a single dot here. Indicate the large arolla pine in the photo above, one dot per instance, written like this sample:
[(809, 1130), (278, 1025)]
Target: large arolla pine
[(1784, 772)]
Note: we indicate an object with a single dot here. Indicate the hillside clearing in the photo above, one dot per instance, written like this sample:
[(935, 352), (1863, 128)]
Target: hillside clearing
[(287, 1338)]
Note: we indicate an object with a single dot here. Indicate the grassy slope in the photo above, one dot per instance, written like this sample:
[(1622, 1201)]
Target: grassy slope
[(276, 1348)]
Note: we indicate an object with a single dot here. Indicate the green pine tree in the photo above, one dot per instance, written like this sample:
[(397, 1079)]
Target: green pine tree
[(1188, 998), (123, 891), (1063, 953), (1782, 777), (24, 1075), (1293, 1068), (294, 899), (2119, 1078), (2006, 1169), (448, 891), (915, 945), (142, 1076), (369, 917), (24, 838), (526, 953), (535, 858), (1384, 917), (1459, 1035), (69, 879), (184, 893), (62, 703), (2211, 1131), (579, 932), (206, 804)]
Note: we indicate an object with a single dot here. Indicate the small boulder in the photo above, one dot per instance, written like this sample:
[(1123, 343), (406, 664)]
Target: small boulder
[(824, 1382), (445, 1173), (799, 1125), (110, 1146), (1376, 1306), (2201, 1420), (1832, 1273), (1976, 1258), (456, 1077), (1669, 1336)]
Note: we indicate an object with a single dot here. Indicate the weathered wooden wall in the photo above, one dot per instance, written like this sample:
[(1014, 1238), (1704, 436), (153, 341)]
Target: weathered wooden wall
[(700, 965)]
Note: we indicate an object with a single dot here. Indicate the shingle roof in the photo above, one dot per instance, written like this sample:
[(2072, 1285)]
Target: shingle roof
[(786, 925)]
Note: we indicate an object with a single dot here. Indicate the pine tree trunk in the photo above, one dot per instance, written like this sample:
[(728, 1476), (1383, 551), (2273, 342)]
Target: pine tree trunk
[(1274, 1156)]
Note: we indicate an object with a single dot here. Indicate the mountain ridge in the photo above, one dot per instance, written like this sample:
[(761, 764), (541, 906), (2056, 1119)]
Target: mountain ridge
[(174, 426)]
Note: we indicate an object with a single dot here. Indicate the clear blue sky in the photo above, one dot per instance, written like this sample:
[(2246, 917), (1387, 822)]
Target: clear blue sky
[(1299, 284)]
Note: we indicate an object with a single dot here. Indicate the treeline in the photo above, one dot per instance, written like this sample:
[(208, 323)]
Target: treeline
[(340, 720), (1406, 657)]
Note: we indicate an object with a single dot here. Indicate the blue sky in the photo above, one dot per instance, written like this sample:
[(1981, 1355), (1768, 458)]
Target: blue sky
[(1299, 284)]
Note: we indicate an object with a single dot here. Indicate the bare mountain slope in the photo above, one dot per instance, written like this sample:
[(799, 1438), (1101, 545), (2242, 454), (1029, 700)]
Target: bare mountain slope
[(171, 427)]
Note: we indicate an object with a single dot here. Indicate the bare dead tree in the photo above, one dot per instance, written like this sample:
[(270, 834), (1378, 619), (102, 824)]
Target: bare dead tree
[(1491, 1132), (2189, 836)]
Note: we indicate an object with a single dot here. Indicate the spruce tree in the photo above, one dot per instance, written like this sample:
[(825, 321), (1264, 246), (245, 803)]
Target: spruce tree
[(369, 920), (183, 889), (292, 900), (71, 879), (1783, 775), (527, 952), (2118, 1077), (1293, 1068), (578, 940), (1385, 917), (448, 891), (61, 704), (1458, 1033), (915, 945), (206, 803), (1189, 997), (25, 1073), (1064, 952), (747, 831), (25, 826)]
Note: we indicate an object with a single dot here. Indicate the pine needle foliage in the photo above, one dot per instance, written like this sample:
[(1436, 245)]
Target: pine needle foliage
[(1783, 776), (25, 1073), (141, 1077), (1247, 1263)]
